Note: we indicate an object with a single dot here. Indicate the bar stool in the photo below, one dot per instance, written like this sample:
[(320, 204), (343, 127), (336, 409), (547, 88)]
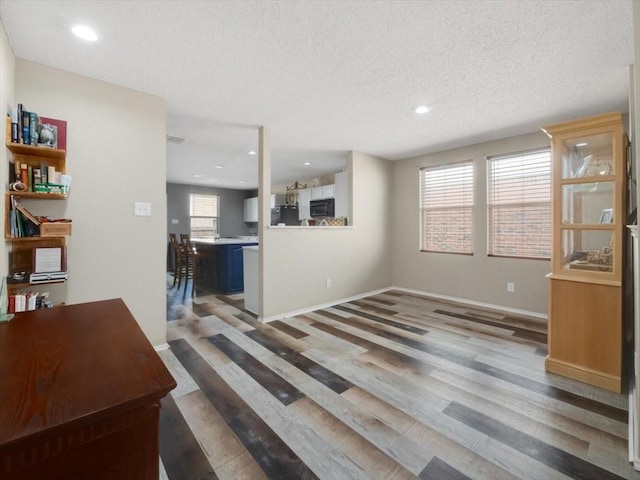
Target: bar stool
[(190, 261), (178, 259)]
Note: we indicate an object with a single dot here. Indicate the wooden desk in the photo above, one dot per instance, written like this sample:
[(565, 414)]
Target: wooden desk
[(80, 390)]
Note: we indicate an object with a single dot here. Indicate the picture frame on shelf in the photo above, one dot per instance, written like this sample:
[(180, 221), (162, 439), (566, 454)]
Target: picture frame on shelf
[(47, 135), (49, 259), (606, 216), (61, 130)]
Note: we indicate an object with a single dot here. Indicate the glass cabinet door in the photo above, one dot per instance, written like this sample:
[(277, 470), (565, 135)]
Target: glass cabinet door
[(587, 197), (590, 156)]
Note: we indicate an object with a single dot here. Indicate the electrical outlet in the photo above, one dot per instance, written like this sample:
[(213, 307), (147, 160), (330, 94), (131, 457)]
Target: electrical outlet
[(511, 287), (328, 282)]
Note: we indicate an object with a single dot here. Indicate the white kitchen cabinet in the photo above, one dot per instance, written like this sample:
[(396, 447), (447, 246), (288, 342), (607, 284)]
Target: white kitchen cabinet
[(325, 191), (251, 210), (342, 194), (328, 191), (316, 193), (304, 197)]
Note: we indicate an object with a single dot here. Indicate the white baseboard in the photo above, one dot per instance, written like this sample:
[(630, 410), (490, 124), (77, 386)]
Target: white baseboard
[(321, 306), (162, 346), (465, 301)]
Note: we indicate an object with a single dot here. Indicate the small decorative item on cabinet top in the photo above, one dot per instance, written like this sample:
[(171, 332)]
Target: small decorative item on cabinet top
[(291, 198)]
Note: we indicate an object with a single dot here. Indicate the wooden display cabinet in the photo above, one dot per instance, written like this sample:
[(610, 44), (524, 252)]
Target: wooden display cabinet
[(20, 257), (585, 284)]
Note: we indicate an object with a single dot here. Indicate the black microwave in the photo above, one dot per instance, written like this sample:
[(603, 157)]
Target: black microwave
[(322, 208)]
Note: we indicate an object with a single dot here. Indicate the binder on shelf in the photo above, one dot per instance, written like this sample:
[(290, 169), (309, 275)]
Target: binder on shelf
[(50, 277)]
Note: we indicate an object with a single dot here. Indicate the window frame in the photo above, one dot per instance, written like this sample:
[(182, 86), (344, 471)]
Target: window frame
[(493, 205), (469, 192), (214, 218)]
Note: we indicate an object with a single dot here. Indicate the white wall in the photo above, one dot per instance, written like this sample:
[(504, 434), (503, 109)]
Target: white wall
[(116, 155), (7, 100), (298, 261), (478, 277)]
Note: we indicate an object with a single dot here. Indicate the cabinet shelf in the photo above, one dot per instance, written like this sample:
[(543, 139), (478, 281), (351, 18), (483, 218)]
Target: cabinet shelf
[(36, 151), (38, 196), (33, 239)]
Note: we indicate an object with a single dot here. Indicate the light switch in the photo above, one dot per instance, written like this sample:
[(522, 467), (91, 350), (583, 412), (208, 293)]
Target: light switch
[(142, 209), (174, 221)]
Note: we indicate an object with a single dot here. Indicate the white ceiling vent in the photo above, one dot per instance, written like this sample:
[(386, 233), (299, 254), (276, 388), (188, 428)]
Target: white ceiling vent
[(175, 139)]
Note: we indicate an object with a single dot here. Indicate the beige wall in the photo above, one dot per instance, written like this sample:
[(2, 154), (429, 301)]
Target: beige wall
[(357, 260), (116, 156), (478, 278), (7, 100)]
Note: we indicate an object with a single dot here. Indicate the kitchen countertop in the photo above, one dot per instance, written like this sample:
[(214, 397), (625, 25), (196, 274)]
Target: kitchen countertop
[(225, 240)]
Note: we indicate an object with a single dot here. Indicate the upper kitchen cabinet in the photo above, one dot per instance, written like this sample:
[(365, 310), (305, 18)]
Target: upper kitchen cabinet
[(251, 208), (341, 191), (588, 221)]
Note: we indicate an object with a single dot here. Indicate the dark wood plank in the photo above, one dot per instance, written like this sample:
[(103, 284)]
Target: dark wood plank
[(377, 318), (180, 451), (288, 329), (274, 384), (374, 308), (517, 331), (438, 469), (269, 451), (308, 366), (381, 301), (564, 462)]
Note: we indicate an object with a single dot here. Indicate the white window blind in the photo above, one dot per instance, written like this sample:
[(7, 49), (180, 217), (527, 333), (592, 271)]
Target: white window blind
[(446, 208), (203, 210), (519, 205)]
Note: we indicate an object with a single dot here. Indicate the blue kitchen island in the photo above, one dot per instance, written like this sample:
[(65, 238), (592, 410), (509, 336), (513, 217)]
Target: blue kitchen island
[(221, 264)]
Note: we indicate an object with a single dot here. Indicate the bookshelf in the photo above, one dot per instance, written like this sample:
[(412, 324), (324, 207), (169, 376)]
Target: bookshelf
[(21, 256)]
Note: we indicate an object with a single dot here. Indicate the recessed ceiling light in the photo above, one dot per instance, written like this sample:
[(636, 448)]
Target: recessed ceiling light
[(84, 33), (242, 181), (307, 163), (583, 144), (421, 110), (252, 152), (219, 166), (197, 176)]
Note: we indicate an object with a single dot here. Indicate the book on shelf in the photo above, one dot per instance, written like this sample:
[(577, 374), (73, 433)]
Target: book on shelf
[(19, 121), (26, 125), (33, 132), (27, 301), (14, 125), (24, 173)]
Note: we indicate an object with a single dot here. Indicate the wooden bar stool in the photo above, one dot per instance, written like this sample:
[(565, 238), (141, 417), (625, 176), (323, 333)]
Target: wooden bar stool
[(191, 259)]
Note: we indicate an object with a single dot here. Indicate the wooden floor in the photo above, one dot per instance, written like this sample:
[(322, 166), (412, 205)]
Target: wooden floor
[(393, 386)]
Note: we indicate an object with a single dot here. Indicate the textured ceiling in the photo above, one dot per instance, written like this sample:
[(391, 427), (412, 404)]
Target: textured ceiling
[(332, 76)]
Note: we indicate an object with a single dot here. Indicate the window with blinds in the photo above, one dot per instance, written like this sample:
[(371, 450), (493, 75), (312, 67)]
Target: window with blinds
[(519, 205), (446, 208), (203, 210)]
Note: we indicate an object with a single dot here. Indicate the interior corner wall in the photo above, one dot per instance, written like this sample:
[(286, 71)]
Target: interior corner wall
[(477, 277), (116, 155), (297, 261), (7, 100)]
